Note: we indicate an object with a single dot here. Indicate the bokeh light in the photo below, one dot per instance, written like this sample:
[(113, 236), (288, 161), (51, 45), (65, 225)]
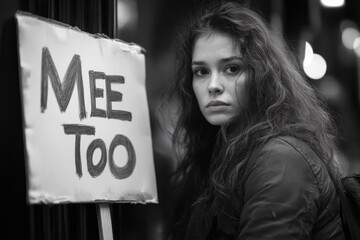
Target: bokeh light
[(333, 3), (309, 53), (348, 37), (356, 46), (314, 64)]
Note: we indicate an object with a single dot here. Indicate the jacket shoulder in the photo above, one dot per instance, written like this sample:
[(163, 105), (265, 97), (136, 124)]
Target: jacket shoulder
[(286, 154), (280, 192)]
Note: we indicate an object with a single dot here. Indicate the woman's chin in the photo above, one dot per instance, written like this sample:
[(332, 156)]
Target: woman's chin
[(218, 120)]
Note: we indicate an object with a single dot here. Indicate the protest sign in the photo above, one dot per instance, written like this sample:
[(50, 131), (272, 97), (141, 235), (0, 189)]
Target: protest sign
[(86, 118)]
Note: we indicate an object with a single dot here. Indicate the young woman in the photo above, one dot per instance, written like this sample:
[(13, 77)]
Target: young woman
[(256, 144)]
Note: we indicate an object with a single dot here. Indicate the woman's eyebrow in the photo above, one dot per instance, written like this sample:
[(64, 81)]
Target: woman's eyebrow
[(222, 60), (229, 59), (198, 63)]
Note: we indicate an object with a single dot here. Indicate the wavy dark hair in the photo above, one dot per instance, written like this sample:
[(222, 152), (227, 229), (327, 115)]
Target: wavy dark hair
[(279, 101)]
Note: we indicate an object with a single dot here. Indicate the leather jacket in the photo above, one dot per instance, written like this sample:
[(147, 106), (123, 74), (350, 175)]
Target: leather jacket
[(287, 193)]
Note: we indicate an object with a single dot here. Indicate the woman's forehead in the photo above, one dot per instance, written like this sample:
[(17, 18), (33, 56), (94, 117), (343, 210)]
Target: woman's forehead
[(215, 44)]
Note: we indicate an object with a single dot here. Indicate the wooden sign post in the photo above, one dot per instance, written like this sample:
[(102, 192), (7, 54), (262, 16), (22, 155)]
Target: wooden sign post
[(104, 221)]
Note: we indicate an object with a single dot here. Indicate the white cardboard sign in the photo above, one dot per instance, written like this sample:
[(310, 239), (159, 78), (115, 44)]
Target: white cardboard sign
[(86, 119)]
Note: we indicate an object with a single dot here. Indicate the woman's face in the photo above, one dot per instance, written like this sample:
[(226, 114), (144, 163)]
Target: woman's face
[(218, 77)]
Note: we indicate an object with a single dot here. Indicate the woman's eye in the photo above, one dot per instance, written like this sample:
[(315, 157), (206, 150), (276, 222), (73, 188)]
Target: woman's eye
[(233, 69), (200, 72)]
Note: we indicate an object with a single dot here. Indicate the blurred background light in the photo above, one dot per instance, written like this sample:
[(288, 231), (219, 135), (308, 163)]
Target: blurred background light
[(127, 15), (317, 68), (314, 64), (309, 53), (357, 46), (333, 3), (348, 37)]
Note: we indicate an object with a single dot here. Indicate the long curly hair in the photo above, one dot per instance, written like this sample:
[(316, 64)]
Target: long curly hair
[(279, 101)]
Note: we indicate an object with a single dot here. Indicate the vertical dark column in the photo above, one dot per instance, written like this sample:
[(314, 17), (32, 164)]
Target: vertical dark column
[(109, 20), (64, 11), (51, 9), (93, 13), (79, 14), (14, 211)]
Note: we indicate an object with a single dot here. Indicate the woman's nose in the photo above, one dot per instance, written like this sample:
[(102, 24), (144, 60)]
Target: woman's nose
[(215, 86)]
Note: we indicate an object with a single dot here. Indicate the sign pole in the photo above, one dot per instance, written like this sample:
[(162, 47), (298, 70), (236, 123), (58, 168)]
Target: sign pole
[(104, 221)]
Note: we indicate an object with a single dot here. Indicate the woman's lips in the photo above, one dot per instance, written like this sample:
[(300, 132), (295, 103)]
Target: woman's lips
[(216, 105)]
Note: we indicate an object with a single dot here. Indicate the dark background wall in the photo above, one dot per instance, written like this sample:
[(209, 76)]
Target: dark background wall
[(14, 212), (153, 24)]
